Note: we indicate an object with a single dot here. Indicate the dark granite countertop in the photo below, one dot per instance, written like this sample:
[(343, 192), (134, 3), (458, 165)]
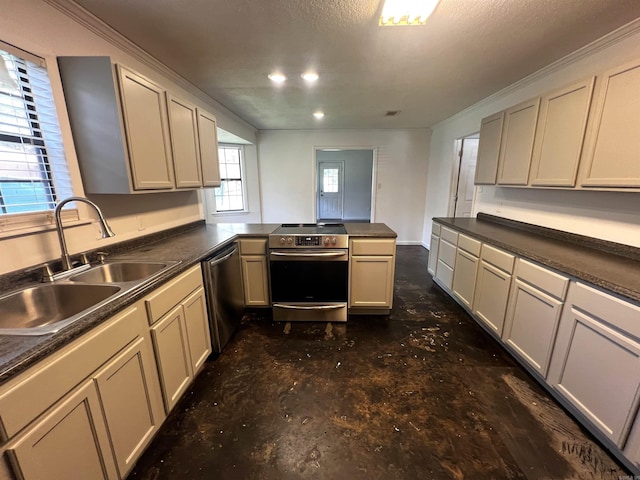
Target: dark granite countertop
[(186, 245), (369, 230), (608, 265)]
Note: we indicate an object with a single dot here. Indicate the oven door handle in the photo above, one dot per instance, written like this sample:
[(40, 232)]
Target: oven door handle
[(311, 307), (300, 254)]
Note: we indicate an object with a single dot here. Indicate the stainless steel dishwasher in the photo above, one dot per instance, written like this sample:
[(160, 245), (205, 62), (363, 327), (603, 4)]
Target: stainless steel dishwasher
[(225, 299)]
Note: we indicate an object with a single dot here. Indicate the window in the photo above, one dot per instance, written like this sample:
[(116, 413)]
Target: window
[(33, 170), (229, 196)]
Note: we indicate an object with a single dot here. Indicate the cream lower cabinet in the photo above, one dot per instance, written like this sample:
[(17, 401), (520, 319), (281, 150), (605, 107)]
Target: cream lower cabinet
[(98, 429), (533, 313), (371, 273), (255, 272), (492, 287), (447, 249), (466, 271), (69, 442), (433, 249), (180, 331), (596, 360)]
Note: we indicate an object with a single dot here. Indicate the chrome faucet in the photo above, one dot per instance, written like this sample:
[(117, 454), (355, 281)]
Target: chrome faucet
[(106, 230)]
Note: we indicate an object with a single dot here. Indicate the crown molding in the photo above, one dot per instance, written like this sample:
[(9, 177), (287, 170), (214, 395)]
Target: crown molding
[(92, 23), (606, 41)]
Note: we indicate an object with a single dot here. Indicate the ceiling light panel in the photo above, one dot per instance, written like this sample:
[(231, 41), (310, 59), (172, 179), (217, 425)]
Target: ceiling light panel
[(318, 115), (406, 12), (310, 77), (277, 78)]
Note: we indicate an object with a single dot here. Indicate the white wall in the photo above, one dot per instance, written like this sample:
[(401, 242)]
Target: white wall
[(52, 33), (251, 176), (288, 174), (607, 215)]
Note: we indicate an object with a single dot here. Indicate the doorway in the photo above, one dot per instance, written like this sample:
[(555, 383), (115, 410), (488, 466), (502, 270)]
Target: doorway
[(344, 185), (463, 191)]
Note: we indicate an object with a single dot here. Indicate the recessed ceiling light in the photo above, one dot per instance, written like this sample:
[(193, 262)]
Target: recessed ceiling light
[(318, 115), (310, 76), (277, 77), (407, 12)]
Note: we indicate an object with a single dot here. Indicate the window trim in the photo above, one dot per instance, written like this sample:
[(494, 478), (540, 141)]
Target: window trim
[(243, 179), (34, 222)]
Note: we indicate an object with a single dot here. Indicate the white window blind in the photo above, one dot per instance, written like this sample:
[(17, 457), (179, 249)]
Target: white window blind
[(33, 168)]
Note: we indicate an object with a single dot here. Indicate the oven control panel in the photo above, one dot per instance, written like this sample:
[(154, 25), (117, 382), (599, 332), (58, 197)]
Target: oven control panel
[(309, 241)]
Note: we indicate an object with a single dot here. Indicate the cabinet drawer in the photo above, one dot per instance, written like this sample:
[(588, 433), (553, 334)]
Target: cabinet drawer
[(373, 246), (444, 273), (470, 245), (31, 393), (449, 235), (543, 279), (165, 298), (253, 246), (435, 229), (447, 253), (498, 258)]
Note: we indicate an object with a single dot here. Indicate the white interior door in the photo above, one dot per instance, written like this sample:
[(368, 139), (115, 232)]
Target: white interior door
[(330, 190), (468, 157)]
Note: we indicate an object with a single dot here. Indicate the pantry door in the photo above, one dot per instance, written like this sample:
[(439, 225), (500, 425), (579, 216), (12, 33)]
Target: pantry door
[(330, 190)]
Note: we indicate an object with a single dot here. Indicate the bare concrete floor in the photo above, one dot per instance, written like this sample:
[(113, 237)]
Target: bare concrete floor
[(422, 394)]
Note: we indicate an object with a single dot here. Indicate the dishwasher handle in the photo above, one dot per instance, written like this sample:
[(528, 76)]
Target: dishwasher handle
[(221, 258)]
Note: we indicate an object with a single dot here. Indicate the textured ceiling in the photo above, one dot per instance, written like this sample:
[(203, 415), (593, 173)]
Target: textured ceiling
[(468, 50)]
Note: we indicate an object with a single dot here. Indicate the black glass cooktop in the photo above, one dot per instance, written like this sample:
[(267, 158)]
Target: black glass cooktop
[(311, 229)]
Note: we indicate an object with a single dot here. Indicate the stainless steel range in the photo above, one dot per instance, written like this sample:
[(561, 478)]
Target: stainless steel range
[(309, 269)]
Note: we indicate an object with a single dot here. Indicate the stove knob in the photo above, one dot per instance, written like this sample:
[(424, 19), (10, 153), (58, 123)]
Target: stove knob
[(282, 241), (334, 241), (326, 241), (289, 240)]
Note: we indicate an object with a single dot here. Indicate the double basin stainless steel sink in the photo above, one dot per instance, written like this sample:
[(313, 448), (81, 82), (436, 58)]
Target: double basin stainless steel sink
[(46, 308)]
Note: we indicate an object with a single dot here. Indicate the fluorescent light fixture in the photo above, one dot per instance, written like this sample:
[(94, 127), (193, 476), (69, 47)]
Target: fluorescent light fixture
[(277, 78), (319, 115), (407, 12), (310, 76)]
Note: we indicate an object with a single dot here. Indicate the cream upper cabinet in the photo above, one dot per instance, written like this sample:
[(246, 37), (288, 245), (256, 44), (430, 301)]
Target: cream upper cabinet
[(489, 149), (596, 360), (145, 124), (208, 141), (560, 133), (613, 146), (184, 142), (371, 272), (516, 145), (533, 314)]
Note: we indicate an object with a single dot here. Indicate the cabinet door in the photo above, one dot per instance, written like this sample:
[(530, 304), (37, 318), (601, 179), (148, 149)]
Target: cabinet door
[(69, 442), (560, 135), (516, 145), (371, 281), (596, 360), (464, 278), (255, 280), (131, 400), (433, 254), (172, 354), (531, 325), (491, 296), (446, 263), (489, 149), (145, 122), (184, 143), (198, 334), (614, 145), (208, 137)]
